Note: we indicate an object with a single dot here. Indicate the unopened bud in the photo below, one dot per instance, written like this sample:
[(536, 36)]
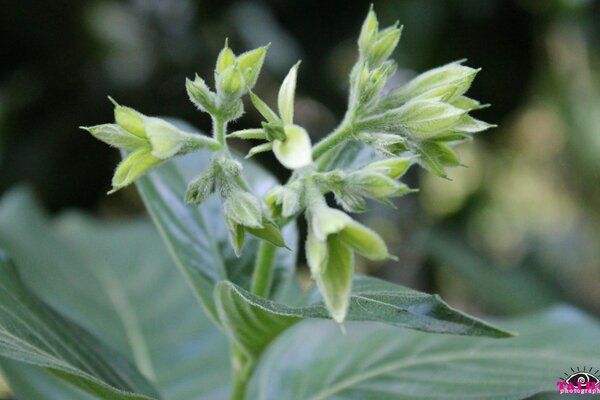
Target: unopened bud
[(200, 94), (130, 120), (368, 32), (243, 208), (392, 167), (231, 82), (225, 60), (250, 63)]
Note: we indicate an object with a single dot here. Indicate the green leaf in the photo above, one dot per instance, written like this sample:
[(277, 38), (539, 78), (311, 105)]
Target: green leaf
[(34, 333), (118, 281), (376, 300), (250, 327), (313, 361), (197, 236), (31, 382)]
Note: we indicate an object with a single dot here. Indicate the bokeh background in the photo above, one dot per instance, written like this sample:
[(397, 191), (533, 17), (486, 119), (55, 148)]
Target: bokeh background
[(516, 230)]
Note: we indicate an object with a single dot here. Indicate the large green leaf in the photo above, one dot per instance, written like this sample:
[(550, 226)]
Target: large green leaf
[(315, 361), (31, 382), (118, 281), (197, 236), (32, 332), (253, 322)]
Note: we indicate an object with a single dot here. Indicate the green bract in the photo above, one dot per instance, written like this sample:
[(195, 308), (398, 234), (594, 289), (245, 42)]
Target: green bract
[(419, 122)]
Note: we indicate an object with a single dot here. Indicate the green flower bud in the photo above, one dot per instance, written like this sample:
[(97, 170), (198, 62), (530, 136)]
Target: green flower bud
[(368, 32), (244, 209), (376, 185), (332, 238), (434, 156), (114, 135), (444, 83), (285, 201), (467, 103), (200, 188), (296, 151), (225, 59), (421, 119), (130, 120), (133, 166), (200, 95), (231, 82), (285, 99), (250, 63), (165, 138), (392, 167), (386, 42)]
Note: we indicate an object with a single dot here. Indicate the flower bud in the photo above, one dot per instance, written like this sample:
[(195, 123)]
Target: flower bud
[(244, 209), (443, 83), (296, 151), (386, 42), (165, 138), (250, 63), (201, 95), (130, 120), (200, 188), (132, 167), (368, 32), (420, 119), (375, 185), (231, 82), (392, 167), (114, 135), (225, 59), (434, 156), (285, 201)]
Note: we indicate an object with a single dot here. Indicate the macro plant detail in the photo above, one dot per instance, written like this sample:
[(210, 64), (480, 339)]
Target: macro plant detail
[(231, 236), (420, 122), (417, 123)]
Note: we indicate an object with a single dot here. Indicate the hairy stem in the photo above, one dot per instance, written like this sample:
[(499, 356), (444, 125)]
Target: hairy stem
[(341, 133), (219, 130), (263, 269)]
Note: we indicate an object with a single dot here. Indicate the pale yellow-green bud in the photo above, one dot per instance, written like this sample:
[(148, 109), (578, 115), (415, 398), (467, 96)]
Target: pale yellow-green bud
[(231, 82), (368, 32), (130, 120), (393, 167), (250, 63), (225, 60)]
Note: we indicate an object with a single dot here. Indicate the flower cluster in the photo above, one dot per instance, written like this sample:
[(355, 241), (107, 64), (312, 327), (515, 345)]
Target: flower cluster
[(417, 123)]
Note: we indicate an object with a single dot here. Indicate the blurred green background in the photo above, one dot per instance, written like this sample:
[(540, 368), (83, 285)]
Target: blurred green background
[(514, 231)]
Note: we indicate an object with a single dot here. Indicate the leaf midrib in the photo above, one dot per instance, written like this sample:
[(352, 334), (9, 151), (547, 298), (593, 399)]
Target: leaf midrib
[(387, 368)]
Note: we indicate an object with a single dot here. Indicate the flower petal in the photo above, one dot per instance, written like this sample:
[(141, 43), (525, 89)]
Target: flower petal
[(296, 151)]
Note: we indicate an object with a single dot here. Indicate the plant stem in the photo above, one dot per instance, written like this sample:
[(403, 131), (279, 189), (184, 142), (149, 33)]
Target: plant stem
[(342, 132), (263, 269), (241, 371), (219, 130)]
